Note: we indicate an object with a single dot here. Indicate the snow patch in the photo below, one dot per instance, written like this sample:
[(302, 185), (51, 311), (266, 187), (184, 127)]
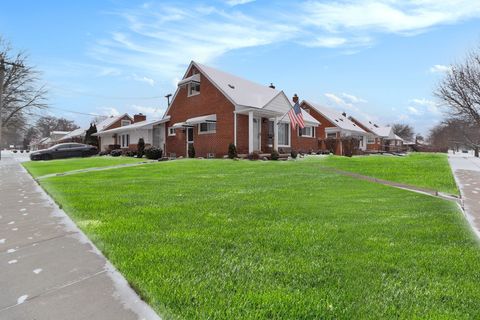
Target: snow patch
[(12, 261), (37, 271), (11, 250), (22, 299), (2, 240), (11, 222), (23, 209), (14, 229)]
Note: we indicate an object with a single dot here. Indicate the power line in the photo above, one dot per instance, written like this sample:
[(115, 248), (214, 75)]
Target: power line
[(94, 95), (77, 112)]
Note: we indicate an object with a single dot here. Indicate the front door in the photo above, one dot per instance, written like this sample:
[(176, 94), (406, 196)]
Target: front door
[(257, 131), (189, 140)]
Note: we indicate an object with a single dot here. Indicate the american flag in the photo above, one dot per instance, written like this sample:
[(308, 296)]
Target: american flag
[(296, 117)]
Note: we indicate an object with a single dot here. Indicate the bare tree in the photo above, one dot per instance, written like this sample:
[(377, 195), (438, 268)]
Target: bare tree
[(45, 125), (404, 131), (21, 91), (455, 134), (460, 89)]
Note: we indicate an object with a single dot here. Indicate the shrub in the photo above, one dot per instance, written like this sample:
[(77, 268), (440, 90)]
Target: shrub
[(116, 153), (153, 153), (232, 151), (140, 147), (15, 151), (130, 153), (103, 153), (294, 154), (275, 155), (254, 155), (191, 151)]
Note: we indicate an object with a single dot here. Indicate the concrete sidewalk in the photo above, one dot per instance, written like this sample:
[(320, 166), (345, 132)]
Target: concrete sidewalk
[(466, 170), (48, 268)]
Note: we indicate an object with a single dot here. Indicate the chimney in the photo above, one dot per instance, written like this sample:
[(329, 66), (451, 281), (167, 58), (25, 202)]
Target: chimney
[(139, 117), (295, 98), (344, 114), (271, 86)]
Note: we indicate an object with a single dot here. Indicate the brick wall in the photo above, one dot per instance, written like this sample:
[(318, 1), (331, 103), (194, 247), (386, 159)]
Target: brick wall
[(209, 101)]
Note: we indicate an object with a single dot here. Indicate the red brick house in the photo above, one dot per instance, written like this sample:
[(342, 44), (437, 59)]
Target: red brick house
[(211, 109), (334, 125), (380, 138)]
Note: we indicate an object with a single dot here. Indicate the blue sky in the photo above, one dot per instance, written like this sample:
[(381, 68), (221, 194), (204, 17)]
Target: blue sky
[(378, 60)]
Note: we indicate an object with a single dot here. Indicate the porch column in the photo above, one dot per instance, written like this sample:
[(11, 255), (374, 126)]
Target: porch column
[(275, 133), (235, 128), (250, 131)]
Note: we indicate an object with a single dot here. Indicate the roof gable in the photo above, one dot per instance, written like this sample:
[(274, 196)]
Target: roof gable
[(336, 117)]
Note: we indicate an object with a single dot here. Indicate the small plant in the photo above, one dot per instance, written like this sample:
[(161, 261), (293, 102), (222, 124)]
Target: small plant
[(275, 155), (254, 155), (294, 154), (116, 153), (232, 151), (130, 153), (153, 153), (191, 151), (15, 151), (140, 147)]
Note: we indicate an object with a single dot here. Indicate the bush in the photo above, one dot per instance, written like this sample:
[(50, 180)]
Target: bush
[(15, 151), (116, 153), (254, 155), (130, 153), (275, 155), (103, 153), (191, 151), (153, 153), (232, 151), (140, 147), (294, 154)]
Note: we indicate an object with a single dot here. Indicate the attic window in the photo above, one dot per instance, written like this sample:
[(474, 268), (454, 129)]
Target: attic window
[(231, 86), (193, 89)]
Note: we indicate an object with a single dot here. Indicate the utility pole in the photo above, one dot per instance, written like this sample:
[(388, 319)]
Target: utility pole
[(2, 78)]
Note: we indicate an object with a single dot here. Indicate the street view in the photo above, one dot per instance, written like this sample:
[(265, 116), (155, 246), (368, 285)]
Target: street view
[(239, 159)]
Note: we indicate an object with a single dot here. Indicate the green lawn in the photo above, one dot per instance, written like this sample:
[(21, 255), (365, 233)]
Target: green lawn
[(429, 170), (221, 239), (41, 168)]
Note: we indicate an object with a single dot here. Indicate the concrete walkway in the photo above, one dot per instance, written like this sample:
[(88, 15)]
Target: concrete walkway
[(48, 268), (466, 170)]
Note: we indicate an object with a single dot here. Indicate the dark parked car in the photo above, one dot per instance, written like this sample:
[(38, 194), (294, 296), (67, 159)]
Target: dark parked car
[(64, 150)]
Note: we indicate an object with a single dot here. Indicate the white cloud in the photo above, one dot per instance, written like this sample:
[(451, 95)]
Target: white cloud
[(326, 42), (238, 2), (353, 98), (150, 112), (431, 106), (149, 81), (439, 68), (109, 111), (350, 102), (414, 111)]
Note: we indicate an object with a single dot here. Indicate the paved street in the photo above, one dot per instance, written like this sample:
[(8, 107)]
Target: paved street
[(49, 269), (466, 169)]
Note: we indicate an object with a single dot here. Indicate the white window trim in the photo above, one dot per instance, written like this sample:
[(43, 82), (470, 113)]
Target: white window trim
[(207, 132), (170, 134), (289, 137), (125, 121), (127, 141), (188, 90), (302, 136)]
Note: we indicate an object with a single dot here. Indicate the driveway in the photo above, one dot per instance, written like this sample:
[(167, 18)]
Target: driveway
[(466, 169), (49, 269)]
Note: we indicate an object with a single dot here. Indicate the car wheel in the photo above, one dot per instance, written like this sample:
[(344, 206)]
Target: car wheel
[(47, 157)]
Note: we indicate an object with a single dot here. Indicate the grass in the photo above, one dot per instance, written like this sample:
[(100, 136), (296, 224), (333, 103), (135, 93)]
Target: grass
[(220, 239), (428, 170), (41, 168)]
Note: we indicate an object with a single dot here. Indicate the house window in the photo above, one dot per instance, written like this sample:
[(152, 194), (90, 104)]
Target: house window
[(284, 134), (370, 140), (193, 89), (207, 127), (171, 131), (124, 140), (125, 123), (331, 135), (308, 132)]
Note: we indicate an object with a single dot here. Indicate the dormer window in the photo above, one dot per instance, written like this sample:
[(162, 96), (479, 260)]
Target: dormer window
[(193, 88), (125, 123)]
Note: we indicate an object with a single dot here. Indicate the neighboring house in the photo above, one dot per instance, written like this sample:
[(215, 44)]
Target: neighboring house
[(77, 135), (211, 109), (113, 122), (334, 125), (126, 137), (380, 138), (41, 143), (57, 135)]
